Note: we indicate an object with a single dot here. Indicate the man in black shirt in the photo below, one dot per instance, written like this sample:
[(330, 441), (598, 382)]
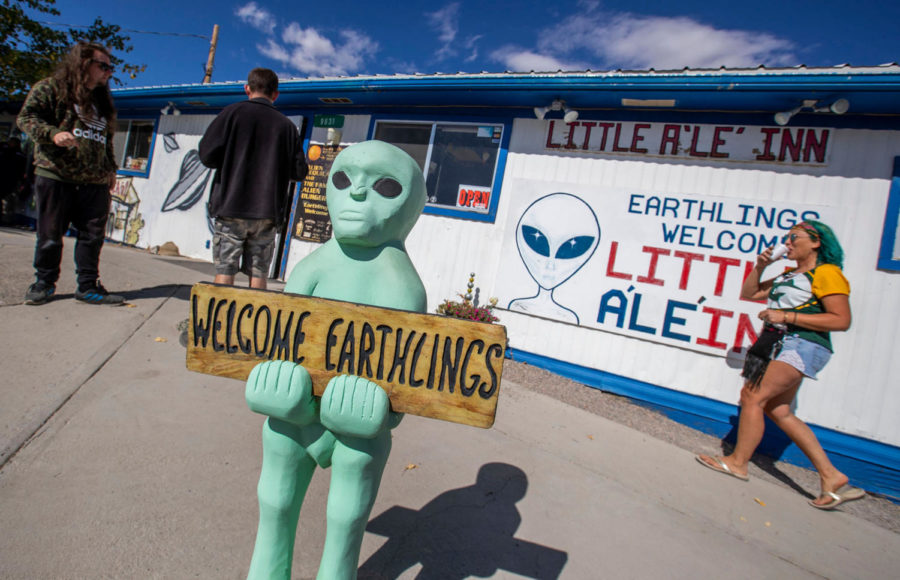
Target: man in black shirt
[(256, 152)]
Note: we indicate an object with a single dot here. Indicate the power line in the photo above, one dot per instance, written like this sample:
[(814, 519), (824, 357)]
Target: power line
[(129, 30)]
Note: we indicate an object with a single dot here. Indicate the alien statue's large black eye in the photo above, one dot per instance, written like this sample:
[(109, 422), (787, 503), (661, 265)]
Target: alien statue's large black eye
[(340, 180), (388, 187)]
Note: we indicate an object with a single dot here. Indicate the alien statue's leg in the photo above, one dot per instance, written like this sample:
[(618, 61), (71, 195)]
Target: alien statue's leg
[(356, 469), (286, 472)]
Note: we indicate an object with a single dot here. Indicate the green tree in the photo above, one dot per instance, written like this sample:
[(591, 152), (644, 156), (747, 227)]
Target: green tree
[(29, 50)]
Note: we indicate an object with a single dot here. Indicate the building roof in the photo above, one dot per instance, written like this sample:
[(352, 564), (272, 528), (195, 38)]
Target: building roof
[(873, 90)]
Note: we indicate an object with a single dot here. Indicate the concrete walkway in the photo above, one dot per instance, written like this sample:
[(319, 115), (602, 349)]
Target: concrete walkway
[(119, 463)]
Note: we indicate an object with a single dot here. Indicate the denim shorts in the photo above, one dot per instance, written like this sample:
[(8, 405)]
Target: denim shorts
[(243, 245), (807, 357)]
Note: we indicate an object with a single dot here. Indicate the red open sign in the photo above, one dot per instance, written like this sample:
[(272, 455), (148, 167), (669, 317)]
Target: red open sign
[(473, 197)]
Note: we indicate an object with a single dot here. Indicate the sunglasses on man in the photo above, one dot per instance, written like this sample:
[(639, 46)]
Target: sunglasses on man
[(104, 66)]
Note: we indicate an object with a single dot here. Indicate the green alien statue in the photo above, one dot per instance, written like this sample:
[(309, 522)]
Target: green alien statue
[(375, 194)]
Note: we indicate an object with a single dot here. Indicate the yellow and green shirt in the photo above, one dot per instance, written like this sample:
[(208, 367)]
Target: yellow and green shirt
[(803, 292)]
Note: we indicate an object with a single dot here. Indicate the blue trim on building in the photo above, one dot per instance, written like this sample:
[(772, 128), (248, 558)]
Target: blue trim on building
[(869, 464), (871, 91), (502, 118), (289, 233), (146, 171), (886, 258)]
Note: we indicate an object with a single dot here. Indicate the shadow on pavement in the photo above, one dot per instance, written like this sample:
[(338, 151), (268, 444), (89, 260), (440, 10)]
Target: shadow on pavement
[(196, 265), (463, 532), (179, 291)]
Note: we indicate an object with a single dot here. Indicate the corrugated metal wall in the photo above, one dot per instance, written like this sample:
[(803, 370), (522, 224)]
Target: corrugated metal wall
[(186, 226), (855, 393)]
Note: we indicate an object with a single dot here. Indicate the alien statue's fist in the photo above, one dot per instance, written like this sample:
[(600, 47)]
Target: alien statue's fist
[(355, 406), (283, 390)]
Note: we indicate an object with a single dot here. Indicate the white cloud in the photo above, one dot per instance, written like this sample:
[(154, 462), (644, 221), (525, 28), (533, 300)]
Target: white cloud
[(308, 40), (632, 41), (471, 46), (306, 50), (446, 22), (257, 17), (274, 51), (522, 60)]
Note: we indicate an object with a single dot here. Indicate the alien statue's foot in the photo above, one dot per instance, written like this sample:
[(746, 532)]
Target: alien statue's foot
[(283, 390), (355, 406)]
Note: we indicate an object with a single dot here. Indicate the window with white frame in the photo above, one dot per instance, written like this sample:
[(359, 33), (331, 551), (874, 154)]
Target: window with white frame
[(133, 144), (459, 160)]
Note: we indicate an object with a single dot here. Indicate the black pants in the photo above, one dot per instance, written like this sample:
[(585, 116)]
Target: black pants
[(86, 206)]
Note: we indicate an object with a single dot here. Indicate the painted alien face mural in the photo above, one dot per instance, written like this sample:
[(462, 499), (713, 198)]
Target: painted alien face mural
[(556, 236)]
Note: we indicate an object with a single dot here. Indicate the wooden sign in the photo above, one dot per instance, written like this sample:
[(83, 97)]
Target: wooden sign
[(430, 365)]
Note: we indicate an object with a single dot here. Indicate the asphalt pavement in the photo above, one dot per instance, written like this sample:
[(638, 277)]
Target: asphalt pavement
[(117, 462)]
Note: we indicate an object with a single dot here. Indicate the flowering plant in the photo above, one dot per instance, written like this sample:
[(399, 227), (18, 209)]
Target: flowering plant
[(466, 310)]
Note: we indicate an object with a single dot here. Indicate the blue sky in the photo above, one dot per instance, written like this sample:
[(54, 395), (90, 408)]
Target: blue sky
[(349, 37)]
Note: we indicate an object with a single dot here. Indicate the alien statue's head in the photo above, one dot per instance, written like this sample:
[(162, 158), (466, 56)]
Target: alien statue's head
[(375, 194)]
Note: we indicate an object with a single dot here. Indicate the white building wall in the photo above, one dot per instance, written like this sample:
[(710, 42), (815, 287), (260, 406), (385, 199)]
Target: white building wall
[(173, 197), (172, 205), (854, 393)]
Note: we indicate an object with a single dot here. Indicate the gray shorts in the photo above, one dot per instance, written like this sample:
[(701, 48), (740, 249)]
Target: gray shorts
[(807, 357), (243, 245)]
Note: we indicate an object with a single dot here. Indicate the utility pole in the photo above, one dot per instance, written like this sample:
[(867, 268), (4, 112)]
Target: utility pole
[(212, 55)]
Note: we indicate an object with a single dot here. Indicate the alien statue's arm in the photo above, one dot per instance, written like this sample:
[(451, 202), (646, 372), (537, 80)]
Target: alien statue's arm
[(351, 405), (283, 389)]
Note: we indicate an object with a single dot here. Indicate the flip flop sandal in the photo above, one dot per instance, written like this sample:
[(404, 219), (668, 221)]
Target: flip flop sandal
[(720, 467), (844, 494)]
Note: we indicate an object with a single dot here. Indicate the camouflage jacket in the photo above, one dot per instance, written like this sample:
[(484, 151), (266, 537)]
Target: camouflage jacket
[(45, 114)]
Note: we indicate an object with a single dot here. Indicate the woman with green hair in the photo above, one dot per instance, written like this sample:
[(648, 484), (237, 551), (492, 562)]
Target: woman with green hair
[(805, 304)]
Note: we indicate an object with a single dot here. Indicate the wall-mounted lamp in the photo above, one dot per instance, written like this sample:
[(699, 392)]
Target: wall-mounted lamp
[(170, 108), (569, 115), (837, 107)]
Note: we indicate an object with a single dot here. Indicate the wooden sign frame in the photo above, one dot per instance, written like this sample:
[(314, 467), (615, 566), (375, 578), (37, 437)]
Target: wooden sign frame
[(430, 365)]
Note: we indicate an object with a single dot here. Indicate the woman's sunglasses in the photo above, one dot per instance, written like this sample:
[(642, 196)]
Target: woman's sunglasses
[(793, 237), (104, 66)]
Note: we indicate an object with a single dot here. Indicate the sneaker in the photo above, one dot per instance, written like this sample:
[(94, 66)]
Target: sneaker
[(97, 294), (39, 293)]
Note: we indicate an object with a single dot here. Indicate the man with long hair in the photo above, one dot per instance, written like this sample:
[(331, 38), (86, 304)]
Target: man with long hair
[(71, 118)]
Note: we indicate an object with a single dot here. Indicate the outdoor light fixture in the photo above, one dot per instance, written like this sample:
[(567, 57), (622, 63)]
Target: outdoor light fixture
[(569, 115), (170, 109), (838, 107)]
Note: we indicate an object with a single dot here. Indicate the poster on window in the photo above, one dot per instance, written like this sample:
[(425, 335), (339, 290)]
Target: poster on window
[(663, 267), (312, 223)]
